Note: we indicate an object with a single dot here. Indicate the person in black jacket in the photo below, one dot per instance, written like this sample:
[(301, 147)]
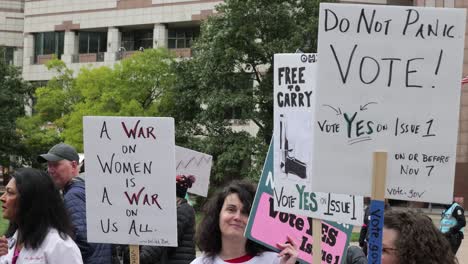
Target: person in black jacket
[(185, 252)]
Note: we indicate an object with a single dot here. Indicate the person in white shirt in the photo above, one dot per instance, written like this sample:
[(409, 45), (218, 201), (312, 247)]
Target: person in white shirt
[(40, 229), (221, 231)]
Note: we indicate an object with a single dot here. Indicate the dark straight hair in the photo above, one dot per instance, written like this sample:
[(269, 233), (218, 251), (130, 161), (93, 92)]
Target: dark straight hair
[(40, 207)]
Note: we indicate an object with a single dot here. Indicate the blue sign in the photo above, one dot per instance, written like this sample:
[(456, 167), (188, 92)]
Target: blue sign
[(374, 229)]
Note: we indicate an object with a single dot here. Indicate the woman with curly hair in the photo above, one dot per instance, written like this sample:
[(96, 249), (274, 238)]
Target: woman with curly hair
[(221, 232), (411, 238)]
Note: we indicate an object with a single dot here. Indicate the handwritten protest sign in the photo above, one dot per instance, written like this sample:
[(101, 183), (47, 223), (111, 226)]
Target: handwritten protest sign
[(301, 200), (294, 100), (130, 187), (191, 162), (294, 85), (389, 78), (263, 219)]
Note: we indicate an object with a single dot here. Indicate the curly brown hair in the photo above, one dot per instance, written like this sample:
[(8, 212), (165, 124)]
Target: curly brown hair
[(418, 241), (208, 232)]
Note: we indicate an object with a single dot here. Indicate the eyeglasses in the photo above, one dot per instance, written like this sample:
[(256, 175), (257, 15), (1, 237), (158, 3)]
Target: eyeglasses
[(388, 250)]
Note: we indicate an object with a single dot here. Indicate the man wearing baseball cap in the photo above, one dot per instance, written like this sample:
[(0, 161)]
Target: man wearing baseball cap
[(63, 167)]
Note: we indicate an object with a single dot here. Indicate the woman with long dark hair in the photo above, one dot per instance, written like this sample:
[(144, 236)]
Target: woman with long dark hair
[(221, 232), (40, 230)]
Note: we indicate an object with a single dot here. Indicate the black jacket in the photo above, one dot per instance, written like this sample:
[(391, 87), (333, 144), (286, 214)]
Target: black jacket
[(185, 252), (355, 255)]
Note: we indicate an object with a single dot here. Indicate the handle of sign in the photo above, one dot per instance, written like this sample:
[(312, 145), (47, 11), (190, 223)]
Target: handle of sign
[(317, 241), (134, 254), (377, 207)]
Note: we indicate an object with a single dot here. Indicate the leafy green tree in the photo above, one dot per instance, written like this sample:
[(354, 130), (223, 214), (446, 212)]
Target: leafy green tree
[(233, 72), (13, 94), (43, 128), (133, 87)]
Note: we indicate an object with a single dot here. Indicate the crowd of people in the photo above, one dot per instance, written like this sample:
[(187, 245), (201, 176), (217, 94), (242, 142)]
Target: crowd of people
[(47, 224)]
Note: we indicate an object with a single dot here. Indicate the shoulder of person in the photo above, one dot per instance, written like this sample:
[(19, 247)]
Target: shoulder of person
[(59, 249), (77, 186), (267, 257), (53, 239), (201, 260)]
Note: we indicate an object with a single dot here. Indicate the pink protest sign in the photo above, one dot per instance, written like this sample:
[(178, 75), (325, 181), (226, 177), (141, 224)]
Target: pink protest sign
[(334, 241), (269, 227)]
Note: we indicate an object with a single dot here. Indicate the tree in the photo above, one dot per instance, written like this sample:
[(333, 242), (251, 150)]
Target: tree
[(233, 71), (13, 94), (133, 87)]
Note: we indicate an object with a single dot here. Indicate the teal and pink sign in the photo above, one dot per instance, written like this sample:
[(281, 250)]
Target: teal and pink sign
[(269, 227)]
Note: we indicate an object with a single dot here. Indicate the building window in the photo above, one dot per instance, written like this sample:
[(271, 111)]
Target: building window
[(134, 40), (46, 43), (181, 38), (6, 54), (92, 42)]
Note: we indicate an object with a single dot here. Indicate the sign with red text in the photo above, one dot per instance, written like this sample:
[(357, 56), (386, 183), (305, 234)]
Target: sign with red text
[(130, 185), (268, 227), (389, 79), (197, 164)]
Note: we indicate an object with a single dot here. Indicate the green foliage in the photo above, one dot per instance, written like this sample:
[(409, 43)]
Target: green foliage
[(229, 77), (232, 70), (132, 88), (13, 94)]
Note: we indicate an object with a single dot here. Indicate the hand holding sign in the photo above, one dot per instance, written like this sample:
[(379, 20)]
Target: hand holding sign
[(289, 251)]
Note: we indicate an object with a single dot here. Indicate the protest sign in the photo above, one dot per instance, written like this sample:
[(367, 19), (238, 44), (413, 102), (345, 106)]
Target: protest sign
[(197, 164), (294, 85), (263, 219), (130, 185), (301, 200), (294, 99), (389, 79)]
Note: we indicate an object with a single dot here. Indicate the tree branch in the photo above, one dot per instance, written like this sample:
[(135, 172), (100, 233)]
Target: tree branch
[(258, 123)]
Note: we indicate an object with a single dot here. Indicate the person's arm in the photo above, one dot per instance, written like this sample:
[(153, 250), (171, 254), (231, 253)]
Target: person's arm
[(75, 204), (459, 215), (363, 232), (362, 235)]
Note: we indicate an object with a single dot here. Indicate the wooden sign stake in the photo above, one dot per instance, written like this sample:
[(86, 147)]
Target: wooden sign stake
[(377, 207), (134, 254), (379, 175), (317, 241)]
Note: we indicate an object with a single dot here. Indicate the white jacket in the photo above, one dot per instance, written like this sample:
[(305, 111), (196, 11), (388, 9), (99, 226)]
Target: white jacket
[(53, 250)]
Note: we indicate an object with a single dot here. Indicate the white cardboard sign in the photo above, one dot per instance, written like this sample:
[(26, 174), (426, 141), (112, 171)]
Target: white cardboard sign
[(294, 99), (191, 162), (130, 186), (389, 79)]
